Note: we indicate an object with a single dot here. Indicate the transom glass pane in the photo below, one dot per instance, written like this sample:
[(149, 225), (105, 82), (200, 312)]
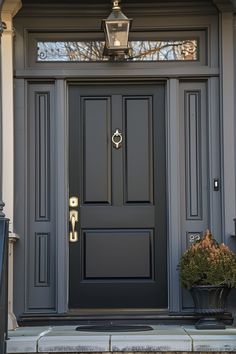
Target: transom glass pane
[(92, 51)]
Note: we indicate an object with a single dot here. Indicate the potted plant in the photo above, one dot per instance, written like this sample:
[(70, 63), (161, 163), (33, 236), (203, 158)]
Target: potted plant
[(208, 270)]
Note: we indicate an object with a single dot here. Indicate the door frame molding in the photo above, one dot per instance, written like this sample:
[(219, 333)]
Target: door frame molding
[(174, 227), (62, 195), (173, 193), (172, 189), (175, 234), (219, 103)]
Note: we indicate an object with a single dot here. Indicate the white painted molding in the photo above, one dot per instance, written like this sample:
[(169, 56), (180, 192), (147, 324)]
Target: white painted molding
[(9, 9)]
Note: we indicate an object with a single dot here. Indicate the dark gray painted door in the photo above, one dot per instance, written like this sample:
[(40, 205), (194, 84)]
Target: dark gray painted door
[(120, 257)]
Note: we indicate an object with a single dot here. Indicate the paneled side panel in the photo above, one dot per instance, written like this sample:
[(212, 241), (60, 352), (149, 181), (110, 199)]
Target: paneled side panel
[(42, 156), (194, 166), (42, 254), (96, 150), (40, 245), (192, 101), (139, 150), (130, 254)]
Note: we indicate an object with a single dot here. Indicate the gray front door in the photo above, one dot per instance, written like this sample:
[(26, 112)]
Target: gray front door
[(119, 259)]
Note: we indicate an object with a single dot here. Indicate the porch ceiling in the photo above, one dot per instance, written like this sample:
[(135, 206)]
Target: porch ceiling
[(107, 2), (124, 2), (53, 7), (103, 7)]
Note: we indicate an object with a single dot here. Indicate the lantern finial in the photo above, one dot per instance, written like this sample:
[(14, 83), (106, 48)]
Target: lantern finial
[(115, 5)]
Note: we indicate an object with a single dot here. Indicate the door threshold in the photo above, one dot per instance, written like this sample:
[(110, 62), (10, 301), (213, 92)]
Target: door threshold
[(115, 311), (118, 316)]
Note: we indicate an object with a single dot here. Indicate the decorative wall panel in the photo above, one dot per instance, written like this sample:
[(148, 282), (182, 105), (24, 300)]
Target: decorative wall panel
[(42, 256), (42, 156), (194, 166), (41, 278), (192, 101)]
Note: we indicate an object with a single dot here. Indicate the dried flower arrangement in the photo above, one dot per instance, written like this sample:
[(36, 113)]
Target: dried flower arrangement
[(208, 263)]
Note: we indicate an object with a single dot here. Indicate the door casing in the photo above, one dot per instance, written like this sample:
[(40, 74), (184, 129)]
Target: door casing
[(60, 133)]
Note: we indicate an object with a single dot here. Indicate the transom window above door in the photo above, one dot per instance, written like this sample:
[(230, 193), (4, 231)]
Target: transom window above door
[(178, 47), (142, 50)]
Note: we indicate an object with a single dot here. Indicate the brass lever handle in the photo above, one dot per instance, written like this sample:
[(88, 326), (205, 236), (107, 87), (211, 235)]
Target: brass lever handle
[(74, 217)]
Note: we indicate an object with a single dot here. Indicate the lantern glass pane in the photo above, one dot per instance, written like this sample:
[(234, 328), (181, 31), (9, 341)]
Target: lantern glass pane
[(117, 33)]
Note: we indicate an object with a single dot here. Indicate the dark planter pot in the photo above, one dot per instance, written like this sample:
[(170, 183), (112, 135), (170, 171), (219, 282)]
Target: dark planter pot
[(210, 303)]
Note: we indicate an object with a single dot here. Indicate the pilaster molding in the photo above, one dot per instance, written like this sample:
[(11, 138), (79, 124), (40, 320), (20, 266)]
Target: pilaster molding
[(228, 122), (9, 9), (224, 5), (174, 217), (7, 118)]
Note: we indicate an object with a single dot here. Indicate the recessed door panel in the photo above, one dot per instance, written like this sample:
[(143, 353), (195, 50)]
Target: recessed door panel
[(129, 256), (119, 260), (139, 149), (96, 150)]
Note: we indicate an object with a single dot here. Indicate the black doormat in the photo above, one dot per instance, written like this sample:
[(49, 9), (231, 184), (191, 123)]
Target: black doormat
[(114, 328)]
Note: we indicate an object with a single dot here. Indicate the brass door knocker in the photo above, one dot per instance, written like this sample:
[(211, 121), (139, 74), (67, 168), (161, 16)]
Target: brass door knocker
[(117, 139)]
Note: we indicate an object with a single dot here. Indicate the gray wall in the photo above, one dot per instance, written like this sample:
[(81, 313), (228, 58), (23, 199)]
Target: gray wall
[(192, 124)]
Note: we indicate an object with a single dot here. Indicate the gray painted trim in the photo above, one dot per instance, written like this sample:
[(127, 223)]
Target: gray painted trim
[(40, 298), (119, 72), (173, 190), (62, 196), (150, 23), (20, 195), (227, 125), (214, 162), (111, 72), (32, 39)]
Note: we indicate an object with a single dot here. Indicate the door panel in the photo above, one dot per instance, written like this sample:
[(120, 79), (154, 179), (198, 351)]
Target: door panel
[(120, 258), (139, 147), (129, 254), (97, 174)]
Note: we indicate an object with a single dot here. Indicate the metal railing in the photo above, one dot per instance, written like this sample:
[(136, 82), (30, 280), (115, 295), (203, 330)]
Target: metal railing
[(4, 223)]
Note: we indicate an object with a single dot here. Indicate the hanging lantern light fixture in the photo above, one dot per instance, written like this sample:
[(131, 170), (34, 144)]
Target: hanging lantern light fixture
[(116, 28)]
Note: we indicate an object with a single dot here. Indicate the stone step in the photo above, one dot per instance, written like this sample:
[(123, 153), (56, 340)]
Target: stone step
[(161, 338)]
